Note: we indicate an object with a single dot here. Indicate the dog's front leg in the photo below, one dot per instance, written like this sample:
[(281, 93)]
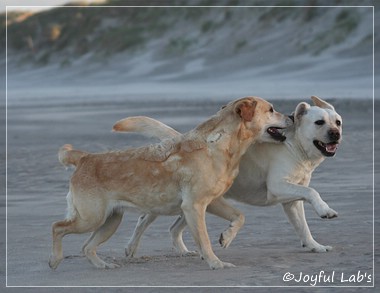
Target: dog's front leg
[(218, 207), (221, 208), (195, 214), (285, 192), (296, 216)]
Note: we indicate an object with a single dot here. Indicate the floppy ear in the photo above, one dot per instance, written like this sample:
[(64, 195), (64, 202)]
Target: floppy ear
[(246, 109), (301, 110), (321, 103)]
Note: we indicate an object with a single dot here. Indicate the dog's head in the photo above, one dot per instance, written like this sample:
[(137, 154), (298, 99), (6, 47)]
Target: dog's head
[(318, 128), (260, 117)]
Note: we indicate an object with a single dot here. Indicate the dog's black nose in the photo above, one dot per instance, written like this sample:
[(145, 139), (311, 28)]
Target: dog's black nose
[(334, 134)]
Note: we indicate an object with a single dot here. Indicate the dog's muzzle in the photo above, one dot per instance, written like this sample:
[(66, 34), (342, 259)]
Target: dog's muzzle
[(275, 133), (327, 149)]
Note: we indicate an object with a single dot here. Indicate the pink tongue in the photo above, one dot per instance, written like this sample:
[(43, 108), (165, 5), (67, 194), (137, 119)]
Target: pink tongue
[(331, 148)]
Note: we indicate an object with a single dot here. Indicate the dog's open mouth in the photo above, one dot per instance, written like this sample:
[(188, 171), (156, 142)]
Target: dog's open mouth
[(275, 133), (327, 149)]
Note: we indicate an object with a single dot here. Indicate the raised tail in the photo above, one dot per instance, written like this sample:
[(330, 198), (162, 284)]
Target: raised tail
[(67, 156), (146, 126)]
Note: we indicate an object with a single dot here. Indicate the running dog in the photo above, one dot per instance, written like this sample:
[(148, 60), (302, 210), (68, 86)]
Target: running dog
[(181, 175), (269, 174)]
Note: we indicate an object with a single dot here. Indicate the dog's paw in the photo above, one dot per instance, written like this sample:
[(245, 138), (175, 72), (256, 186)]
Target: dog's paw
[(325, 212), (228, 265), (321, 248), (189, 253), (129, 252), (329, 214), (105, 265), (181, 248), (98, 262), (111, 266), (318, 248), (54, 262), (226, 238), (218, 264)]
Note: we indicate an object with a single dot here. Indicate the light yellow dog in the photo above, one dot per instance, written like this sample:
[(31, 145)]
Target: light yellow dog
[(180, 175)]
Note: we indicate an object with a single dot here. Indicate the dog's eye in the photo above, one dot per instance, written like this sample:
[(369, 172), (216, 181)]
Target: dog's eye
[(320, 122), (338, 122), (271, 110)]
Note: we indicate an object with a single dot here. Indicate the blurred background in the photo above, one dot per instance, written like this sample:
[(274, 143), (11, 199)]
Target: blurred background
[(93, 47)]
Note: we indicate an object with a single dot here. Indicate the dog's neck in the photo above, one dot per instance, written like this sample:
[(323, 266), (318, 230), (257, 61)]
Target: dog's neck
[(301, 155), (243, 139), (233, 140)]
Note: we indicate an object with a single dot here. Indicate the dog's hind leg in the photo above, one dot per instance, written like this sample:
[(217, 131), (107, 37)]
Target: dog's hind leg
[(296, 216), (142, 224), (59, 229), (102, 234), (93, 234), (77, 221), (176, 230), (62, 228)]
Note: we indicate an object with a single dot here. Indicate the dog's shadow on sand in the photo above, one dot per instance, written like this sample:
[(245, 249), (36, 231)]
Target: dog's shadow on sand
[(125, 261)]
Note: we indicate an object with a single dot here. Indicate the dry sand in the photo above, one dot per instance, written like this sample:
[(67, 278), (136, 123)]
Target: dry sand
[(264, 250)]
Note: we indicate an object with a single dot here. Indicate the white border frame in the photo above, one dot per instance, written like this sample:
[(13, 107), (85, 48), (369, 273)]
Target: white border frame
[(165, 6)]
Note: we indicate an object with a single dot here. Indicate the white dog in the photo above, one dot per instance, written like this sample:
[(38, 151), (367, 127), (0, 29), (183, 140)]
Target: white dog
[(269, 174)]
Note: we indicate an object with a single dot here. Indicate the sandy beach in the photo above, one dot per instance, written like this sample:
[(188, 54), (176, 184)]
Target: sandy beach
[(264, 251)]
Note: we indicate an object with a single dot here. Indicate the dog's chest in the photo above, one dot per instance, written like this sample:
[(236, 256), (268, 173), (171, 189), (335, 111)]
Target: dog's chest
[(301, 174)]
